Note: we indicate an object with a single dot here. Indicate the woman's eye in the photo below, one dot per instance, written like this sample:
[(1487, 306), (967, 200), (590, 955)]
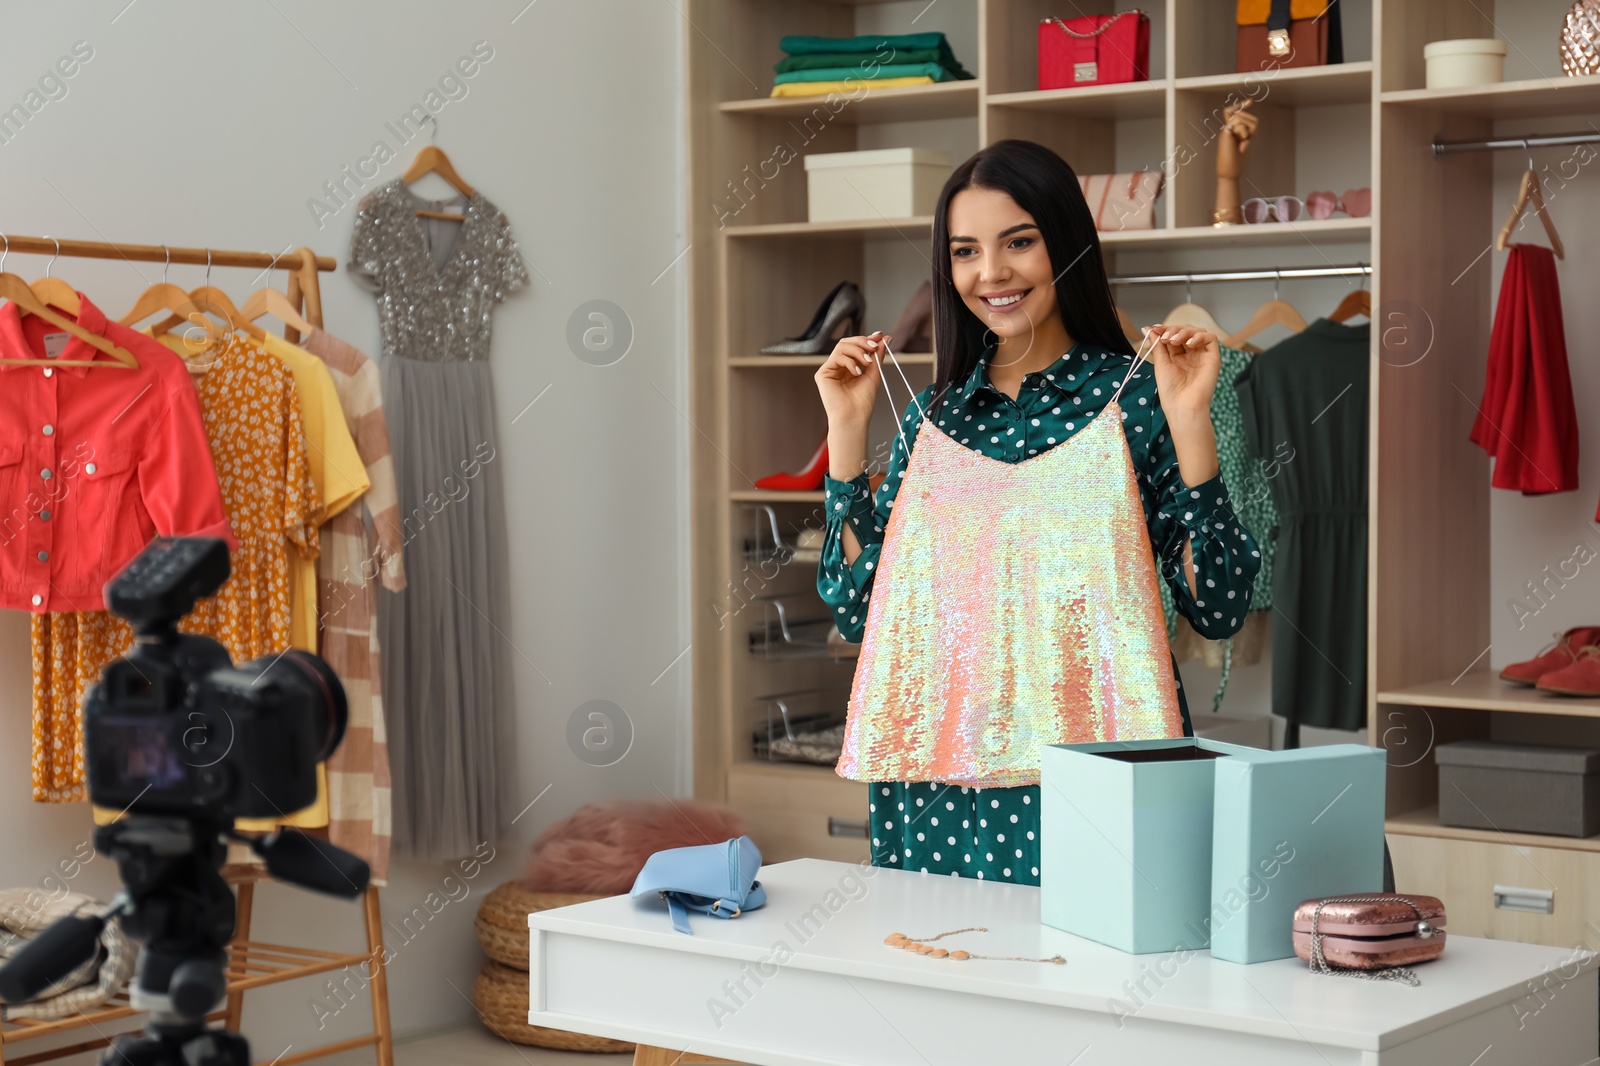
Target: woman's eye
[(1019, 243), (961, 253)]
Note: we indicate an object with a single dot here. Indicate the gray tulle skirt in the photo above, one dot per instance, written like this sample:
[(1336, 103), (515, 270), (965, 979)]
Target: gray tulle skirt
[(446, 680)]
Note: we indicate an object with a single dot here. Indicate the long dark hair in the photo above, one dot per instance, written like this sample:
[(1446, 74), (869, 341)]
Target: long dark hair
[(1043, 185)]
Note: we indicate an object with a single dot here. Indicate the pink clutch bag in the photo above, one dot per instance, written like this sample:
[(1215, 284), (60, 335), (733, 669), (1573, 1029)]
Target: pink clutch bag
[(1373, 932)]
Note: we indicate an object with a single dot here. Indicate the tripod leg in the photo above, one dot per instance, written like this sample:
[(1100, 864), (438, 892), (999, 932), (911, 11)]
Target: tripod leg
[(241, 931), (380, 977)]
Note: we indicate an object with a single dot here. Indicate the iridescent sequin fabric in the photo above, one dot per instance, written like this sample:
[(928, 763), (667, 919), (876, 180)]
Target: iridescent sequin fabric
[(438, 314), (1016, 606)]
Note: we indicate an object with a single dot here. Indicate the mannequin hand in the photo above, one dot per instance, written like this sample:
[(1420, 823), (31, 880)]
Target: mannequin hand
[(1187, 363), (1241, 123), (848, 381)]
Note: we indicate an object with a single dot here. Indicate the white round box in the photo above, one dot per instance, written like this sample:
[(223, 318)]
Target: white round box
[(1468, 61)]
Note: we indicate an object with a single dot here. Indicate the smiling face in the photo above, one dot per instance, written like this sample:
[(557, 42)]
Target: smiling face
[(1000, 266)]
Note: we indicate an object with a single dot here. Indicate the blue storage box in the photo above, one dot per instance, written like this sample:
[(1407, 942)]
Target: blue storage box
[(1125, 840), (1289, 826)]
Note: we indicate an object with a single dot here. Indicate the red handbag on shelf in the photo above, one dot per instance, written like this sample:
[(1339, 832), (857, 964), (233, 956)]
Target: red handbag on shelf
[(1094, 50)]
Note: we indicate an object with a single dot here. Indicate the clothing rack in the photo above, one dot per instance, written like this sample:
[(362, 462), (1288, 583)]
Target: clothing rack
[(251, 964), (159, 253), (1546, 140), (1243, 275)]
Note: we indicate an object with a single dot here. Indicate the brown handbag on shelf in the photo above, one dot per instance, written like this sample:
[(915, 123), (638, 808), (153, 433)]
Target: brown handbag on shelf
[(1287, 33)]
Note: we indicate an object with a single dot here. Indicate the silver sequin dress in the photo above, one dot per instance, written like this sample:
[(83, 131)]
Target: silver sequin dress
[(446, 680)]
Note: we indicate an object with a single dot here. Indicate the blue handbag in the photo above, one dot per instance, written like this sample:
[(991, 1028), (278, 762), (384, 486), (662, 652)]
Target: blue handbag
[(715, 879)]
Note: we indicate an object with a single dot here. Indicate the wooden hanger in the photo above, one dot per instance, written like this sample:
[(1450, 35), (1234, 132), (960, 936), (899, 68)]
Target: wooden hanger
[(1190, 313), (165, 296), (270, 301), (209, 299), (20, 293), (432, 160), (1274, 312), (1355, 303), (1129, 330), (54, 291), (1532, 191)]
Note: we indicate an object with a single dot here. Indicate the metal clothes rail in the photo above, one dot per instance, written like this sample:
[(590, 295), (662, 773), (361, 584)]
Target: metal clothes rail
[(1545, 140), (1258, 274)]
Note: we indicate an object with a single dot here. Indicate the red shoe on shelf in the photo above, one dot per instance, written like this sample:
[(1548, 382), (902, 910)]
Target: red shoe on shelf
[(809, 478), (1582, 678), (1564, 652)]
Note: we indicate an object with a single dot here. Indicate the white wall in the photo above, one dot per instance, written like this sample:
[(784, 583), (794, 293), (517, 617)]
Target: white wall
[(214, 124)]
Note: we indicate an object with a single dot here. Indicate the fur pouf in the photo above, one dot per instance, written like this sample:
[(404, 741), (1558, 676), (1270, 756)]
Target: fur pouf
[(601, 847)]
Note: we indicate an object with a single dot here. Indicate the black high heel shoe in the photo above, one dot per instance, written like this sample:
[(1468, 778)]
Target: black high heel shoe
[(844, 304)]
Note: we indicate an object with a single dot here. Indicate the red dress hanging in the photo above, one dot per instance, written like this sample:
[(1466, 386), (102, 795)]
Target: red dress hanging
[(1528, 421)]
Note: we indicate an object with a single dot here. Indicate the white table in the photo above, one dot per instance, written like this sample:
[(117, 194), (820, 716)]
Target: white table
[(820, 986)]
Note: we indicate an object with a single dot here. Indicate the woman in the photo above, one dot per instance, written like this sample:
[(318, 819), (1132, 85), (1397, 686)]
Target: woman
[(1045, 482)]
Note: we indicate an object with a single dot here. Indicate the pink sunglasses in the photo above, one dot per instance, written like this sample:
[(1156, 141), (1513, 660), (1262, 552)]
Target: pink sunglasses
[(1356, 203)]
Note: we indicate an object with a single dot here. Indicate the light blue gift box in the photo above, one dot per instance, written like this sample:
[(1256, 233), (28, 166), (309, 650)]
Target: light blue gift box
[(1289, 826), (1125, 840)]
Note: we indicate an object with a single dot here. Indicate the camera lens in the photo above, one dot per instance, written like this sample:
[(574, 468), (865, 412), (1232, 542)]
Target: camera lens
[(315, 678)]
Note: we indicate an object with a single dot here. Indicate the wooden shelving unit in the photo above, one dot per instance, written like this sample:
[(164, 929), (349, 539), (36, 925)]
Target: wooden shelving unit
[(759, 273), (759, 268), (1429, 533)]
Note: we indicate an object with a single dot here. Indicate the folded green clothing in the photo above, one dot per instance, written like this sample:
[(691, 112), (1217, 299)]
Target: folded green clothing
[(888, 45), (859, 73), (818, 60)]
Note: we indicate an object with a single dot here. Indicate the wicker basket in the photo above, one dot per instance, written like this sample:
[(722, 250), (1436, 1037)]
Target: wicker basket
[(502, 924), (501, 994)]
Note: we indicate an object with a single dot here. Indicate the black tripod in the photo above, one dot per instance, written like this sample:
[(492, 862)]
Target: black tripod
[(177, 904)]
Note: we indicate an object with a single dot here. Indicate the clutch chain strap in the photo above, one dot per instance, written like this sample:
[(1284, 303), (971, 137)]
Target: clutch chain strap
[(1319, 964), (1103, 27)]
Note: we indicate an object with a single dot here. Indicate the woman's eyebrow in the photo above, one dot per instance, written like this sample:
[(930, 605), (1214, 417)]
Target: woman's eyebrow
[(1019, 227)]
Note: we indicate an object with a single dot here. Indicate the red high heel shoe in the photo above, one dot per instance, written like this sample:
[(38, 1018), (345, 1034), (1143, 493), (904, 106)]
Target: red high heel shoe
[(809, 478)]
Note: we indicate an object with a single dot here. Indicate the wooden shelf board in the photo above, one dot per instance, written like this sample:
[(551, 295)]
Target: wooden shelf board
[(775, 496), (1482, 690), (865, 227), (1137, 100), (1338, 230), (1338, 83), (1424, 822), (907, 358), (763, 768), (1507, 99), (905, 103)]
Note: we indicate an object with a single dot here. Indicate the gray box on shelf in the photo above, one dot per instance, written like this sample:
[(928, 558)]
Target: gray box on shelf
[(1519, 788)]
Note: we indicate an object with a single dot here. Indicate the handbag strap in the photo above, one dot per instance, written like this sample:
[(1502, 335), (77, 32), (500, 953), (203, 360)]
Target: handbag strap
[(1106, 25), (680, 914), (1319, 963)]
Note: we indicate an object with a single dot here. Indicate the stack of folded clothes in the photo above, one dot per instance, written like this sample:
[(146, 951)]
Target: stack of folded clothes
[(814, 66)]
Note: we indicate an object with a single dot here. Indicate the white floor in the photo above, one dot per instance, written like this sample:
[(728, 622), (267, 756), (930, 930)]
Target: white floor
[(474, 1046)]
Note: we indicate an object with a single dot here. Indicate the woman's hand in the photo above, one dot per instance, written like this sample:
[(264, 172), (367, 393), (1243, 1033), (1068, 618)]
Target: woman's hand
[(848, 381), (1187, 361)]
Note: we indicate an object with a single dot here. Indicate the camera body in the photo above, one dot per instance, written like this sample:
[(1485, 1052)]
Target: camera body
[(176, 728)]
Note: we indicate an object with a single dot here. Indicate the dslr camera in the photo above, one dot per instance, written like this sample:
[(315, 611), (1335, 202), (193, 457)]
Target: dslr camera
[(175, 728), (182, 741)]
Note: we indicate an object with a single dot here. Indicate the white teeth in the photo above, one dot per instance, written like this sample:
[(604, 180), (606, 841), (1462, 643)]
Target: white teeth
[(1002, 301)]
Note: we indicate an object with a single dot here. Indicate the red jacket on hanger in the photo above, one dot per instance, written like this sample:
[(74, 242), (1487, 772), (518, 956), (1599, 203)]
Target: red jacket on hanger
[(1528, 420), (94, 463)]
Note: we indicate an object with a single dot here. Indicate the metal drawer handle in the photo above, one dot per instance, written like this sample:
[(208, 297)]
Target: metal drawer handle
[(847, 827), (1513, 898)]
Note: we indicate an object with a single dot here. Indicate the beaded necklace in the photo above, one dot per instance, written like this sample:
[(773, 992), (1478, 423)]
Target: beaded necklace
[(922, 946)]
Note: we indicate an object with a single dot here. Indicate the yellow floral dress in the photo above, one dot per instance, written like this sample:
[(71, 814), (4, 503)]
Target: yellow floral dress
[(252, 416)]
